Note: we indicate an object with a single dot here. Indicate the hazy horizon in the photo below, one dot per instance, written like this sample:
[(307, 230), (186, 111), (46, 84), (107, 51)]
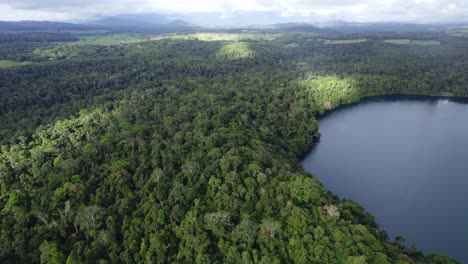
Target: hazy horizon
[(223, 12)]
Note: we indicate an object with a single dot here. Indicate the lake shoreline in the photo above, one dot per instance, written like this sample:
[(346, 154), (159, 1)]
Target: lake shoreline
[(386, 157), (397, 96)]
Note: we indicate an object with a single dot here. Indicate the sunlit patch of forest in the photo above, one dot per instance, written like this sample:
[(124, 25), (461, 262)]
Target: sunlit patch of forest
[(9, 63), (414, 42), (343, 41)]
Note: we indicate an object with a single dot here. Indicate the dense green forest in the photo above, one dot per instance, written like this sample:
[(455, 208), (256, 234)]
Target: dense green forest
[(187, 148)]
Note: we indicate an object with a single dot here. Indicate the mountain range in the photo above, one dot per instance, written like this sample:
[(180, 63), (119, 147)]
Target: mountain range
[(159, 23)]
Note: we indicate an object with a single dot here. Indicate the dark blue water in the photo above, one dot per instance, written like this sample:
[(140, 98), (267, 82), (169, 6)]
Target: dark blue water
[(405, 160)]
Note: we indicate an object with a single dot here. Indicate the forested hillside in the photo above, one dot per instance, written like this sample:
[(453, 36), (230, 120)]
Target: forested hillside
[(182, 150)]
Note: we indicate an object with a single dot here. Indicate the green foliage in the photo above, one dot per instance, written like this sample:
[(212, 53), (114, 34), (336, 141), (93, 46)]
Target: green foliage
[(306, 190), (50, 253), (236, 50), (434, 258), (180, 150), (111, 39)]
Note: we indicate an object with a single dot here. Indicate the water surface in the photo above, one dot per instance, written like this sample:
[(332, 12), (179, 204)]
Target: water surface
[(405, 159)]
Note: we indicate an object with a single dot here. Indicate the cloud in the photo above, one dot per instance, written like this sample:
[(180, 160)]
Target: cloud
[(352, 10), (44, 4)]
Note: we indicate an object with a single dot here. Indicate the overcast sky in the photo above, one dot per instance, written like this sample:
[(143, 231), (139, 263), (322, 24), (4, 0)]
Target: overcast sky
[(349, 10)]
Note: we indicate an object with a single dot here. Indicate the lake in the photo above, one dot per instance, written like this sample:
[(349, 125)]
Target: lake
[(405, 159)]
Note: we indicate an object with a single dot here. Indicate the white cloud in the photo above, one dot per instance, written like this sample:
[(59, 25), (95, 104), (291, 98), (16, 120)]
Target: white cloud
[(9, 13), (354, 10)]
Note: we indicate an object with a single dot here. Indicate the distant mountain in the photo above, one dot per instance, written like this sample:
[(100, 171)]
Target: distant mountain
[(132, 20), (292, 25), (301, 27), (42, 25), (334, 23), (126, 23), (143, 22), (204, 19), (444, 19), (114, 22), (255, 21), (252, 18), (151, 18), (240, 19), (180, 23), (355, 27)]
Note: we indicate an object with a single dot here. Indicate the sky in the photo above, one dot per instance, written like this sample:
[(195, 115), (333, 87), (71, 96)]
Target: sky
[(306, 10)]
